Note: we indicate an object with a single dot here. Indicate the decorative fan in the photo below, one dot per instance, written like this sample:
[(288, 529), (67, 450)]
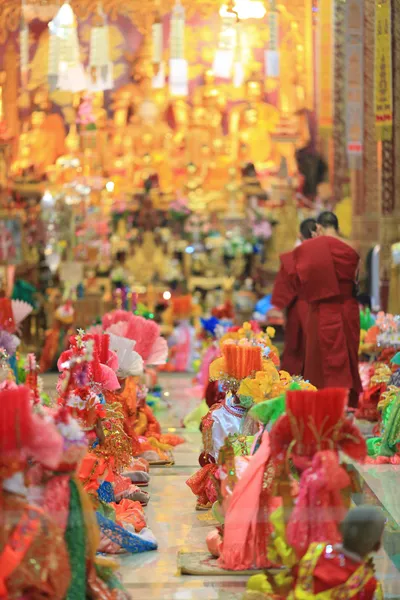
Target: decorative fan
[(20, 310), (130, 363)]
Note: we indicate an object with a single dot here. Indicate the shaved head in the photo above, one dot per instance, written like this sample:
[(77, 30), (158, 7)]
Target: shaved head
[(362, 529)]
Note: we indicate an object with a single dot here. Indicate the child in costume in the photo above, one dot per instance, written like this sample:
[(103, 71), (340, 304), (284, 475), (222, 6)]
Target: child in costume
[(308, 437), (182, 341), (33, 557), (329, 572), (110, 448), (226, 418), (57, 337), (344, 570), (12, 314), (153, 349)]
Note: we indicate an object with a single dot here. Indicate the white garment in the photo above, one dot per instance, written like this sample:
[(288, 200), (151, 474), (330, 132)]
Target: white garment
[(227, 420)]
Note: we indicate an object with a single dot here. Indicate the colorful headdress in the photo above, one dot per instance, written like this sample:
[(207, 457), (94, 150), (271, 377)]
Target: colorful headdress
[(315, 421), (145, 333), (238, 361), (315, 416), (182, 307), (65, 313), (24, 434), (101, 368)]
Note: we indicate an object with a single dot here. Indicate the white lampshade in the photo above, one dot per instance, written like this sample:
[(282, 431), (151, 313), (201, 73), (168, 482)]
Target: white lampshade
[(272, 68), (158, 81), (178, 77), (223, 63)]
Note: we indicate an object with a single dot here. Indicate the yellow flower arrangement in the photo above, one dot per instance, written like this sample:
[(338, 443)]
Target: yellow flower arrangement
[(258, 389)]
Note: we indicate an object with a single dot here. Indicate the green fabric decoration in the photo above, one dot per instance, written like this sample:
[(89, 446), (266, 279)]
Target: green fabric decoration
[(107, 575), (246, 401), (396, 359), (193, 419), (366, 319), (269, 410), (24, 291), (390, 430), (106, 510), (76, 543)]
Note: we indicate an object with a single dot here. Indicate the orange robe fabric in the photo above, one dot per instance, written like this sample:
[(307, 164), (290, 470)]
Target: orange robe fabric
[(327, 271), (286, 296)]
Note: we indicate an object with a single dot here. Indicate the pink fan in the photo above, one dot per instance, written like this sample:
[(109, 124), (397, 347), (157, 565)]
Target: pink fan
[(118, 329), (159, 352), (95, 330), (20, 310), (145, 332), (116, 316)]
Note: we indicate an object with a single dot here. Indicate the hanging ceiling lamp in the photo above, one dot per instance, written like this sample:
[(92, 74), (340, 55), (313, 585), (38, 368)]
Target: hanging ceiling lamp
[(100, 66), (24, 48), (178, 67), (245, 9), (238, 66), (158, 47), (65, 71), (272, 54), (227, 43)]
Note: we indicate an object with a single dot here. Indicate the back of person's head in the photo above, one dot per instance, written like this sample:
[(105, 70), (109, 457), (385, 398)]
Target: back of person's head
[(328, 220), (362, 530), (307, 228)]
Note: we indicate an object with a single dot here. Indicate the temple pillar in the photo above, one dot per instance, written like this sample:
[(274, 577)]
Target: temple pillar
[(390, 181), (365, 188), (340, 166)]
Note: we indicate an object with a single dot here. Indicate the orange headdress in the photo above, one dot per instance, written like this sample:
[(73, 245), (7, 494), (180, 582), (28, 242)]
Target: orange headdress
[(182, 306), (238, 361)]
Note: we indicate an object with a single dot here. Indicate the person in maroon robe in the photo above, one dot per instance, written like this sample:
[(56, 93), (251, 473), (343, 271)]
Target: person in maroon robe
[(327, 270), (286, 297)]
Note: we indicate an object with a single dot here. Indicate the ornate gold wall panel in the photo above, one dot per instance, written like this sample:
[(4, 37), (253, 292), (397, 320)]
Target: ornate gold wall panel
[(370, 199), (339, 117)]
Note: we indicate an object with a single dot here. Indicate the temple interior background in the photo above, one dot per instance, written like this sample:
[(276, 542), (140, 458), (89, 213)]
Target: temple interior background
[(156, 150)]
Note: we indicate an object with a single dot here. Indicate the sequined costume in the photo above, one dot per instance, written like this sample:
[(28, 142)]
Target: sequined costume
[(330, 573), (33, 558), (309, 436)]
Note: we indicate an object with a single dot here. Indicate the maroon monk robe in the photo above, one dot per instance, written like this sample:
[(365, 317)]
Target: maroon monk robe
[(285, 296), (327, 271)]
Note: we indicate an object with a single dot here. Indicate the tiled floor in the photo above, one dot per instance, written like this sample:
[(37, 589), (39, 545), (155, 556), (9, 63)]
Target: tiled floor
[(177, 526)]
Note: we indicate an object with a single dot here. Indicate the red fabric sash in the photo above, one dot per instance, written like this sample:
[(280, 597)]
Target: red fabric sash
[(18, 545)]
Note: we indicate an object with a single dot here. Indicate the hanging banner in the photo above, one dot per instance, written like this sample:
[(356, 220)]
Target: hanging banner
[(383, 70), (354, 81), (326, 54)]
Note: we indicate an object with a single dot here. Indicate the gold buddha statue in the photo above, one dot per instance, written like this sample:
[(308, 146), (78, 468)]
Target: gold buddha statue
[(129, 97), (68, 165), (234, 197), (292, 96), (212, 98), (147, 262), (40, 144), (251, 125)]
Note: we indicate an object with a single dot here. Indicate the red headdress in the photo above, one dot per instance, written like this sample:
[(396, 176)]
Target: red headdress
[(104, 363), (314, 422), (24, 434)]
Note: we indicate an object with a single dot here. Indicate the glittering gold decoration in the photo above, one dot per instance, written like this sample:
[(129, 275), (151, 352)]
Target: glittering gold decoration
[(140, 13)]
